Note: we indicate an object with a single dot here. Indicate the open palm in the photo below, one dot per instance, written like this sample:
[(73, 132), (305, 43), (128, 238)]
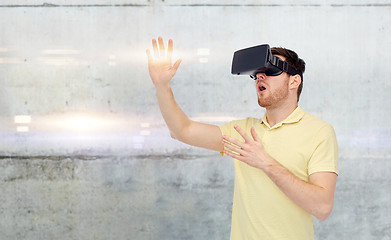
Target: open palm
[(159, 65)]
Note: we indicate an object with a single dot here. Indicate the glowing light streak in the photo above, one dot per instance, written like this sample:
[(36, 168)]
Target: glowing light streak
[(203, 51), (22, 128), (60, 52), (145, 133), (23, 119), (82, 123), (10, 60)]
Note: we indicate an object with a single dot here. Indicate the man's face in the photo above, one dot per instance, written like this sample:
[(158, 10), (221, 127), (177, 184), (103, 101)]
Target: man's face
[(272, 91)]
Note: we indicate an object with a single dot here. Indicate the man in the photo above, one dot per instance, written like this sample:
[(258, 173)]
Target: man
[(285, 163)]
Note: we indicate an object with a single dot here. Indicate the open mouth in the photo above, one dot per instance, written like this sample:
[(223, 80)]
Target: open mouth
[(262, 88)]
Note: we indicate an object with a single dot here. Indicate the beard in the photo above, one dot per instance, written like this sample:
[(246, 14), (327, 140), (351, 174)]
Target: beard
[(274, 97)]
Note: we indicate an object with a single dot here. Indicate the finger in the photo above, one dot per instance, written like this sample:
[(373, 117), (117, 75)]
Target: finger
[(255, 135), (233, 141), (233, 148), (243, 134), (155, 49), (176, 64), (149, 55), (170, 48), (236, 156), (161, 46)]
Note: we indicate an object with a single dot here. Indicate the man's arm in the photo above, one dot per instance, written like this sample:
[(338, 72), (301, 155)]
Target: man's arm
[(315, 196), (181, 127)]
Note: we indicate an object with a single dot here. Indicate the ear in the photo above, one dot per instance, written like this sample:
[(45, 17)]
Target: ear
[(294, 81)]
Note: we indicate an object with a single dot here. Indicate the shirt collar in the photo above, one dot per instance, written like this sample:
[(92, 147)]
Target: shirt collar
[(294, 117)]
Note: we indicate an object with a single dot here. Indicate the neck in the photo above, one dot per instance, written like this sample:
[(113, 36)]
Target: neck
[(275, 115)]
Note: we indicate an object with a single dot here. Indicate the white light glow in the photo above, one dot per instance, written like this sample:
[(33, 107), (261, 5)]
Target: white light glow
[(10, 60), (145, 133), (82, 123), (24, 119), (112, 61), (22, 128), (59, 61), (145, 125), (203, 52), (60, 52)]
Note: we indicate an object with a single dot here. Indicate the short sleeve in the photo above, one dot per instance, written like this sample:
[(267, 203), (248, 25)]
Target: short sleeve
[(325, 155), (226, 129)]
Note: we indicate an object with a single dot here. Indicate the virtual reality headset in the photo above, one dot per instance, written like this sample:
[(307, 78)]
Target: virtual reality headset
[(259, 59)]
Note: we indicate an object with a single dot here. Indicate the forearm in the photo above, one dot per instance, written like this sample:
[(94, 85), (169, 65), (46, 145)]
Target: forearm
[(316, 200), (182, 128), (174, 117)]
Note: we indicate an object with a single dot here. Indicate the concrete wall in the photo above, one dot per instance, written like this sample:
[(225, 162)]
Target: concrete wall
[(84, 153)]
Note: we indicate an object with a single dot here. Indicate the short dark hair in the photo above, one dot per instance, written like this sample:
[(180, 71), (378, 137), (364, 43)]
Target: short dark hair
[(293, 59)]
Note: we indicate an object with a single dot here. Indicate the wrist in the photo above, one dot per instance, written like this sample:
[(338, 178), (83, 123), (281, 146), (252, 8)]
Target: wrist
[(269, 164), (162, 87)]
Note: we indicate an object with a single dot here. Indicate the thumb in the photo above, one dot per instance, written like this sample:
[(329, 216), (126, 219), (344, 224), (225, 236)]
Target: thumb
[(176, 64), (148, 54)]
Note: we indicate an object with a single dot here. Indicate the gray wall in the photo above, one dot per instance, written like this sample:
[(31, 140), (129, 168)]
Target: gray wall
[(94, 160)]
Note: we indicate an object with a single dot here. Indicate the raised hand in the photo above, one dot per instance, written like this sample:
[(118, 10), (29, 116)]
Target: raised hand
[(159, 65)]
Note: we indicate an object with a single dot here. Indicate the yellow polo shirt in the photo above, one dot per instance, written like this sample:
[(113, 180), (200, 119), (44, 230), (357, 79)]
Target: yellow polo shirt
[(302, 143)]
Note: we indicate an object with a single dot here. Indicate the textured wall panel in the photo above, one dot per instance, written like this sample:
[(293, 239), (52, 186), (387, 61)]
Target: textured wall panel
[(85, 153)]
